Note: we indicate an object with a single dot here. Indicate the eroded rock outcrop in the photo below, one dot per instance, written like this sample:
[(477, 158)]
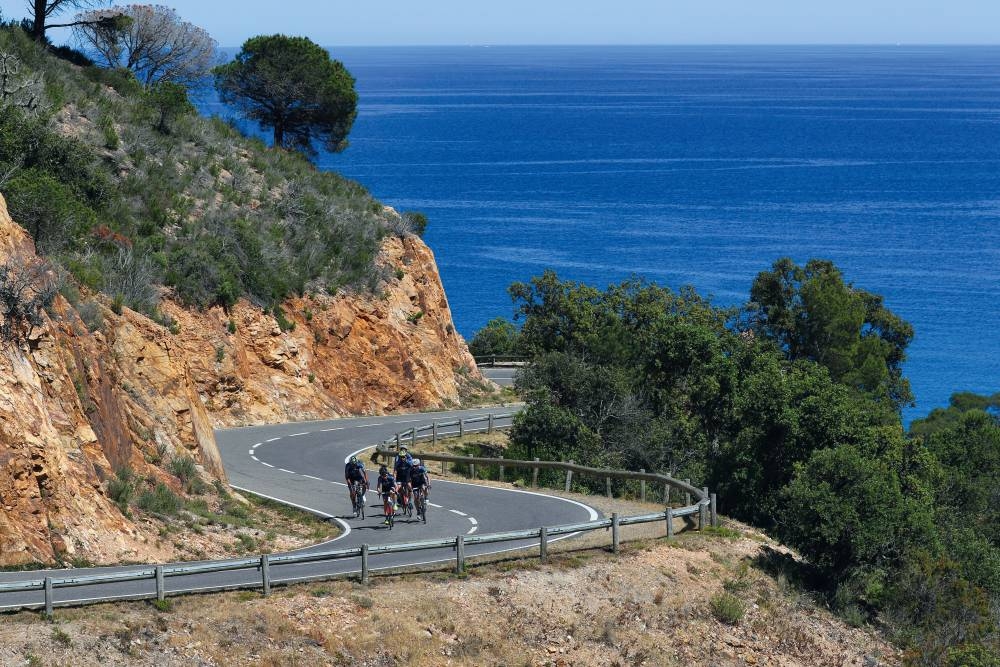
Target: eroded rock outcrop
[(78, 405)]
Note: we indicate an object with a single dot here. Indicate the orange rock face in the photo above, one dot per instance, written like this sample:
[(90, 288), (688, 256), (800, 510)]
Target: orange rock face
[(75, 405)]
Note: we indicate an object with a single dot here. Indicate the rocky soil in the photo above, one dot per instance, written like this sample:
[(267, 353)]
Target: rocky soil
[(650, 605)]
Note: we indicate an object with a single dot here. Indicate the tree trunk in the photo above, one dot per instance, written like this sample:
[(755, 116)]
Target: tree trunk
[(38, 25), (279, 135)]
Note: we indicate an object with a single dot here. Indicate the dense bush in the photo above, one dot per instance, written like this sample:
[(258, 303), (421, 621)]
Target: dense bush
[(793, 436)]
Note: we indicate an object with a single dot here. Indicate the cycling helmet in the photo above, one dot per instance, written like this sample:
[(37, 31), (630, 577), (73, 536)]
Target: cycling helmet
[(382, 470), (403, 448), (416, 462), (354, 459)]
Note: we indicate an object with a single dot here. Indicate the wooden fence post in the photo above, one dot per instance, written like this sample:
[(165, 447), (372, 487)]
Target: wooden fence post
[(265, 574), (642, 487), (569, 476), (442, 466), (461, 428), (397, 442), (614, 532), (534, 476), (703, 509), (472, 470), (543, 543), (489, 428), (607, 483), (670, 523), (160, 593), (434, 432), (364, 563), (687, 494), (460, 554), (501, 468), (715, 513)]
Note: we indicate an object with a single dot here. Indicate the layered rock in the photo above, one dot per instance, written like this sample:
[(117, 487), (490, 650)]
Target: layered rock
[(76, 405)]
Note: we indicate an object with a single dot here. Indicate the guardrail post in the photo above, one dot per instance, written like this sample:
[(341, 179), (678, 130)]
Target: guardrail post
[(434, 432), (534, 476), (265, 574), (472, 470), (543, 543), (501, 468), (614, 532), (413, 436), (642, 487), (569, 476), (666, 494), (460, 554), (364, 563), (715, 513), (160, 593), (442, 466), (703, 509), (687, 494), (461, 428), (489, 427), (670, 523), (607, 483), (48, 596), (397, 442)]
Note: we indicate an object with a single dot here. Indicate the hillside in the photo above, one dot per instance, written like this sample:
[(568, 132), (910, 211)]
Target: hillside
[(163, 284)]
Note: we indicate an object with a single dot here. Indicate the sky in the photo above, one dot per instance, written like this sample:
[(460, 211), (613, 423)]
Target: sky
[(463, 22)]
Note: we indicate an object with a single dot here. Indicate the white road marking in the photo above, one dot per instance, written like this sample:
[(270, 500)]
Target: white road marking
[(250, 452), (272, 439), (256, 445), (286, 470), (433, 505), (367, 425), (311, 477), (458, 513), (295, 435), (339, 428), (348, 457), (472, 530), (266, 464), (474, 522), (255, 458)]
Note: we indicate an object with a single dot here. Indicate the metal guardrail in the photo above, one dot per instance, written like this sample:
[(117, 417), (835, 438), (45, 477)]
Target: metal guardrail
[(491, 360), (158, 574)]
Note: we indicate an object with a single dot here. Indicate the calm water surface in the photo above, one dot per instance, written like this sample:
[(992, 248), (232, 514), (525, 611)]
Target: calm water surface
[(702, 165)]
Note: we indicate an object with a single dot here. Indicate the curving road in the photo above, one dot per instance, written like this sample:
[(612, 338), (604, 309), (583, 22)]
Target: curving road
[(302, 464)]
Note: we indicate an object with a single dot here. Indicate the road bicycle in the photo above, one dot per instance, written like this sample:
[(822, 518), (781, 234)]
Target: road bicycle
[(358, 491), (420, 502), (405, 501)]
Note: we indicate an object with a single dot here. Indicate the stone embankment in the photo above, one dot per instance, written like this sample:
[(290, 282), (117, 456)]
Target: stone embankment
[(79, 403)]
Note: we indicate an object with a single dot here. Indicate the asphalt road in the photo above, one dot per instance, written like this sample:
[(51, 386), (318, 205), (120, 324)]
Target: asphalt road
[(303, 464), (501, 375)]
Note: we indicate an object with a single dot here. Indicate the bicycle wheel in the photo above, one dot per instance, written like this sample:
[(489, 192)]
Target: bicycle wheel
[(422, 500)]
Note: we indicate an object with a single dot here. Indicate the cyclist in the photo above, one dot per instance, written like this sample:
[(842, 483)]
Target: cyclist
[(386, 487), (355, 471), (420, 481), (402, 468)]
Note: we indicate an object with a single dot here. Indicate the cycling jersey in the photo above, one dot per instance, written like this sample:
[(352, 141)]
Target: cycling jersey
[(355, 471), (386, 484), (418, 476), (404, 466)]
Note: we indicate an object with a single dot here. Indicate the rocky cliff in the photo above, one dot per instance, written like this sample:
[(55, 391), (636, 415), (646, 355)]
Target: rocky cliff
[(77, 404)]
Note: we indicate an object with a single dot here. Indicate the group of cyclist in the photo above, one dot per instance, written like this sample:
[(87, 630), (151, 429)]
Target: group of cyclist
[(408, 478)]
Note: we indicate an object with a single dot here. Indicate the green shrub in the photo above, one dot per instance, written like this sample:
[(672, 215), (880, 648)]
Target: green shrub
[(727, 608), (159, 500), (183, 468), (121, 488)]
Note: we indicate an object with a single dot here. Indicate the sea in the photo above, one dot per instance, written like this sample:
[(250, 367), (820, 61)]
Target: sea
[(700, 166)]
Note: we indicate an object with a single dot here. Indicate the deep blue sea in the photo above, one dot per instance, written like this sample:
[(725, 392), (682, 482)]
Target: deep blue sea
[(701, 166)]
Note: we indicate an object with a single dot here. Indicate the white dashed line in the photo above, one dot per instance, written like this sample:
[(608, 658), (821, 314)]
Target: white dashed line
[(286, 470), (472, 530), (256, 445), (295, 435), (458, 513), (255, 458), (474, 522), (325, 430), (311, 477), (366, 425), (272, 439), (433, 505), (250, 452), (266, 464)]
